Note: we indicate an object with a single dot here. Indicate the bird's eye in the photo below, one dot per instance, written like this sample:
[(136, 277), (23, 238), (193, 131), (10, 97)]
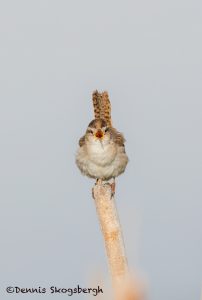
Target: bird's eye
[(90, 131), (107, 129)]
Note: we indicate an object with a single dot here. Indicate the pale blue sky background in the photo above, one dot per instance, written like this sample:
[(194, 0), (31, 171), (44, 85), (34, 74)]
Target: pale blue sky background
[(147, 54)]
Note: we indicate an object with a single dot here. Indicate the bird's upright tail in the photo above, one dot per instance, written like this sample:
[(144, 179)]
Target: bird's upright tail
[(102, 107)]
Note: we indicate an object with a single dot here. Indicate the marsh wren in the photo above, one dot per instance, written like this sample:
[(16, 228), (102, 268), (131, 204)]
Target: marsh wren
[(101, 154)]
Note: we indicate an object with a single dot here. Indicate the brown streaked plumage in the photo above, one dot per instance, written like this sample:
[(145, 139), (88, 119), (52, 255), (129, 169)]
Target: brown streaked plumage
[(98, 123), (82, 141), (117, 137)]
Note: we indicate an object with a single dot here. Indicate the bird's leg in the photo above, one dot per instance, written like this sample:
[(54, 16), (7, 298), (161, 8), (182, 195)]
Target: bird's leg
[(98, 182), (113, 186)]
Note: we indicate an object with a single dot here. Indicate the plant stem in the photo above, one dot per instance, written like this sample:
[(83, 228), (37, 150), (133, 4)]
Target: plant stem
[(112, 233)]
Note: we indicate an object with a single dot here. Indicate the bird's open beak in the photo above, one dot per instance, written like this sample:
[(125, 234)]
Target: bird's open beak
[(99, 134)]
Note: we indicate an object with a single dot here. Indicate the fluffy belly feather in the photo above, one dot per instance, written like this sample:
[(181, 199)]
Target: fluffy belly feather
[(102, 162)]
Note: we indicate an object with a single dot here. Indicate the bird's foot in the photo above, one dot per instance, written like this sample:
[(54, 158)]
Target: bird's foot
[(98, 182), (112, 186)]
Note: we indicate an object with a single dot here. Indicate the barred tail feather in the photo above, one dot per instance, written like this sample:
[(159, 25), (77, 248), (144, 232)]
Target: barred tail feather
[(97, 98), (102, 106), (106, 108)]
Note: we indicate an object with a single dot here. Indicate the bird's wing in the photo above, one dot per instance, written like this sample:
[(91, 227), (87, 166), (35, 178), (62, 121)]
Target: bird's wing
[(82, 141), (117, 136)]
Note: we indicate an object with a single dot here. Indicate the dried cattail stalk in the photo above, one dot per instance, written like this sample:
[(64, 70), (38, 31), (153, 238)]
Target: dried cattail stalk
[(125, 287), (111, 230)]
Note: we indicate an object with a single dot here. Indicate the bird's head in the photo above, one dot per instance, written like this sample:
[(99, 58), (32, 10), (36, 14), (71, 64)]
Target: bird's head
[(98, 131)]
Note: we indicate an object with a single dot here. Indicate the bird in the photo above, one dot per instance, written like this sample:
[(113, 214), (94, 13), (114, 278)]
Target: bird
[(101, 154)]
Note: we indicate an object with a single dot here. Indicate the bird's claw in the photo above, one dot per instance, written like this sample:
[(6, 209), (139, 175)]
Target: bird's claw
[(113, 186), (100, 182)]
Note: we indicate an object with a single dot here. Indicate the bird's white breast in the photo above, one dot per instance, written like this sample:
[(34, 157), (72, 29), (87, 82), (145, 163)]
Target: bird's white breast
[(101, 154)]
